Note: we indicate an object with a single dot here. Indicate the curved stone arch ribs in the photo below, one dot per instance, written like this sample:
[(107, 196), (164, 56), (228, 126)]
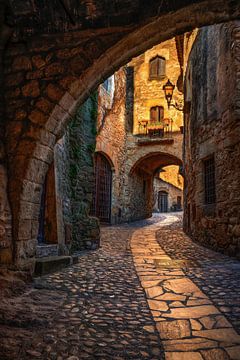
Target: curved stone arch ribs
[(109, 50), (163, 152)]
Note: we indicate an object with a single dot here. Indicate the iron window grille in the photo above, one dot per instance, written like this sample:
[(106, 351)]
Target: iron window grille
[(209, 180)]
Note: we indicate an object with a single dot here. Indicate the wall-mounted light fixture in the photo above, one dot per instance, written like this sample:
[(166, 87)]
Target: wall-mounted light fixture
[(168, 89)]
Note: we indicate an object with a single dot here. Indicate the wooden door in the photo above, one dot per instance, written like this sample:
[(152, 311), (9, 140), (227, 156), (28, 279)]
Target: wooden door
[(101, 204), (163, 201)]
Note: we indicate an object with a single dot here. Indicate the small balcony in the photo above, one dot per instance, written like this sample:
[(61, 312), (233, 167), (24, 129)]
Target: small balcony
[(156, 132), (153, 128)]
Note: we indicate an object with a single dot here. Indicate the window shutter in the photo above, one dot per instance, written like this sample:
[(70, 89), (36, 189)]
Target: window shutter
[(153, 113), (153, 69), (157, 68), (161, 67)]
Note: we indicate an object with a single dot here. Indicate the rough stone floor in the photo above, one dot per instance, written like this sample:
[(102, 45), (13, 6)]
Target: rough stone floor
[(148, 293)]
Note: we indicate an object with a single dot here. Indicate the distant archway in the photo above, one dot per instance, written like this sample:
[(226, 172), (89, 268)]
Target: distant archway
[(151, 162)]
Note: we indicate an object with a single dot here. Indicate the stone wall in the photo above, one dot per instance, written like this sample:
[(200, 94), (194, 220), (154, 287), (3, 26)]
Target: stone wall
[(111, 136), (6, 245), (75, 180), (137, 197), (212, 129)]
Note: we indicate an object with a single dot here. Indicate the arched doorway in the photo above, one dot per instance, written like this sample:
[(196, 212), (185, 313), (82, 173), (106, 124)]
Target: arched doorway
[(163, 201), (47, 231), (102, 196)]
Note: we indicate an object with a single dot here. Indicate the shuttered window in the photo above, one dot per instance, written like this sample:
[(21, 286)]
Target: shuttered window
[(157, 68), (156, 113)]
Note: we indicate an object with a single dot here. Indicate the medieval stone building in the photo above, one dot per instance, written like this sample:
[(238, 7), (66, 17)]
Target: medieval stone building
[(137, 134), (212, 133)]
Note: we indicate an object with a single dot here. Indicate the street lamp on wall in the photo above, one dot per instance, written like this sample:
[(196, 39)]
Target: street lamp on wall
[(168, 89)]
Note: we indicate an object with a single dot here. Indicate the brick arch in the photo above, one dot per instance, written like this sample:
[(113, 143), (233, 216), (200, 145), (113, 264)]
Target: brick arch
[(154, 160), (48, 105)]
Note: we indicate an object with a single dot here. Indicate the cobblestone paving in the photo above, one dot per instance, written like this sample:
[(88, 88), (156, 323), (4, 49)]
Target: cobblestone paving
[(102, 311), (190, 325), (217, 275), (148, 281)]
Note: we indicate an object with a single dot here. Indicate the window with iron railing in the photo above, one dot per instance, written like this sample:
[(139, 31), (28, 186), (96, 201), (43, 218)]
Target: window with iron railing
[(209, 180)]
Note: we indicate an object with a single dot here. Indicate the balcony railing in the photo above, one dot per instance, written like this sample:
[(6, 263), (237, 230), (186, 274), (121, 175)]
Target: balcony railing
[(154, 129)]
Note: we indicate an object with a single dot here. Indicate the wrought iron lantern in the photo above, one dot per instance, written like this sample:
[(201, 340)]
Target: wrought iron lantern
[(168, 89)]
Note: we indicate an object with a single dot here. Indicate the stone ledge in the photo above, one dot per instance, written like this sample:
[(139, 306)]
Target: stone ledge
[(47, 250), (51, 264)]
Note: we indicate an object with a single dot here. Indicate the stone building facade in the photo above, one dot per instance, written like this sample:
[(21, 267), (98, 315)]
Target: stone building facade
[(135, 155), (167, 197), (212, 139), (148, 86), (168, 189)]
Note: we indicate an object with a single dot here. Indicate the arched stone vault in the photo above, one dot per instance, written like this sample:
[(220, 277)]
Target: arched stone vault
[(49, 76)]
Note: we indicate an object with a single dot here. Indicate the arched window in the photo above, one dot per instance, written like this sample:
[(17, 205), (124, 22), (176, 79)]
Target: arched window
[(157, 68), (156, 113)]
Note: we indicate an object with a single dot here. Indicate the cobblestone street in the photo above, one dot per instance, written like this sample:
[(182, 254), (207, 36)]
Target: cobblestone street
[(148, 288)]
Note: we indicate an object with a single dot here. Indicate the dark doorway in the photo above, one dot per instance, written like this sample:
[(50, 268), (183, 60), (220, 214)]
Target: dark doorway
[(163, 201), (179, 203), (41, 218), (47, 232), (101, 205)]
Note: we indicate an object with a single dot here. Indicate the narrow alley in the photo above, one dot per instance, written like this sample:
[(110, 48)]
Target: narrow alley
[(119, 180), (149, 292)]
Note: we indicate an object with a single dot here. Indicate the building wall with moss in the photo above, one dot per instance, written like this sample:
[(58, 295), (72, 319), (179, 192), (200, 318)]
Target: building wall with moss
[(75, 180)]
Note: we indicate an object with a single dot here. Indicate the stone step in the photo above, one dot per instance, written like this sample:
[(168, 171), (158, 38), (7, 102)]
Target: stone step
[(45, 250), (49, 264)]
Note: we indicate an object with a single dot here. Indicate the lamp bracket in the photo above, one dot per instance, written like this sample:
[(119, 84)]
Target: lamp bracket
[(179, 107)]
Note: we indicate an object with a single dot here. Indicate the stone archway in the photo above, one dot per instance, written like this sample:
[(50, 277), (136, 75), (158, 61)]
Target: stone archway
[(49, 95), (152, 161), (139, 181)]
